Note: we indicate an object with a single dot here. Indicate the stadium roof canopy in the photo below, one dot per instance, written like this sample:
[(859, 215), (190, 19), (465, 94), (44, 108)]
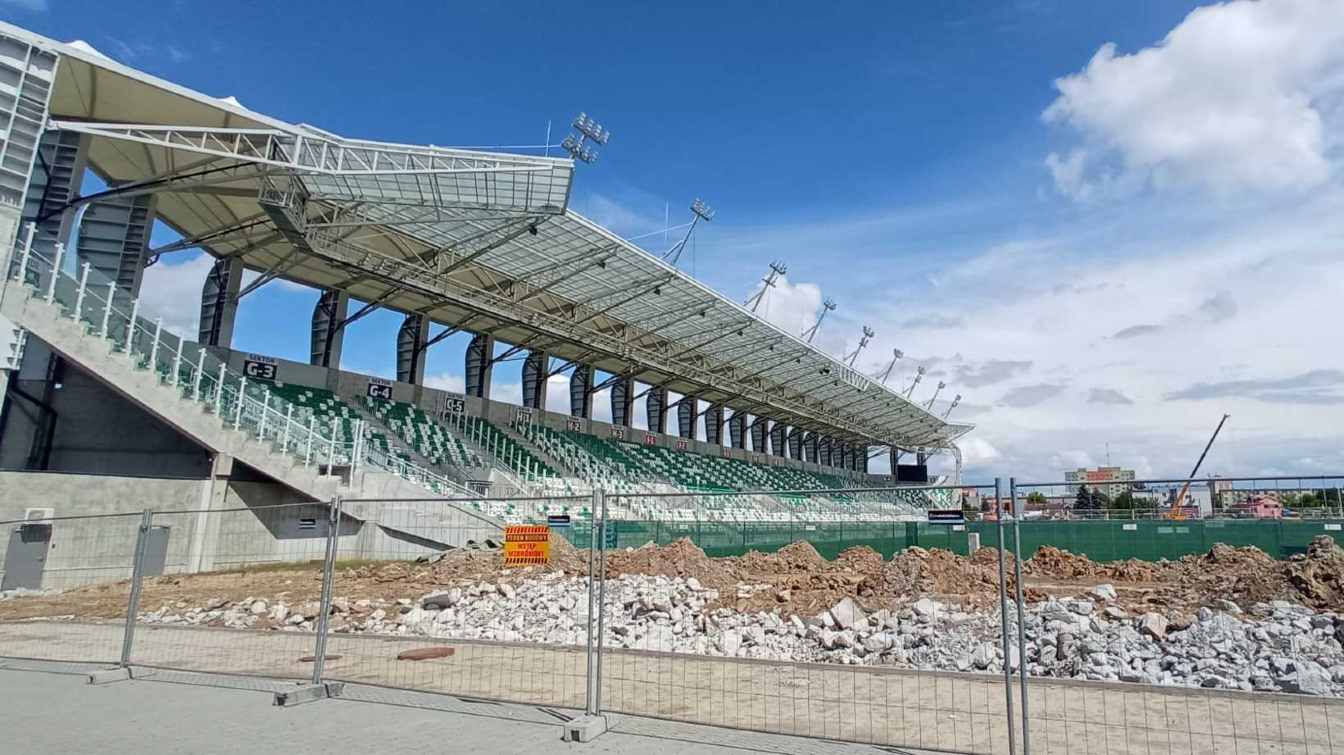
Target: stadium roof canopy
[(476, 239)]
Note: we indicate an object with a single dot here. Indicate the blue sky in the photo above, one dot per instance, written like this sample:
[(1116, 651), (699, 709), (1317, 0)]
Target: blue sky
[(1071, 212)]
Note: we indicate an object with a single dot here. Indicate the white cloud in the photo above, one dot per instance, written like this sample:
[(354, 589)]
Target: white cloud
[(791, 306), (173, 291), (1235, 97), (446, 381)]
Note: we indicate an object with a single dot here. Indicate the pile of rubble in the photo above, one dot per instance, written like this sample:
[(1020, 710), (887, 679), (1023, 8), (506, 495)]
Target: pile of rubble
[(1281, 647), (1230, 618)]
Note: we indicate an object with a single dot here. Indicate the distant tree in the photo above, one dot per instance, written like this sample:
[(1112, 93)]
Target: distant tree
[(1085, 501), (1124, 502), (1036, 498), (1101, 500)]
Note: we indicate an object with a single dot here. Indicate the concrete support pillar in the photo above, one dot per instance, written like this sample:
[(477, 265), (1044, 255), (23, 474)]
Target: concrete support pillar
[(581, 391), (623, 402), (824, 450), (865, 452), (778, 431), (714, 425), (412, 349), (56, 177), (214, 496), (479, 365), (686, 411), (758, 428), (327, 334), (655, 409), (807, 444), (113, 239), (737, 430), (895, 454), (536, 370), (219, 302), (921, 458)]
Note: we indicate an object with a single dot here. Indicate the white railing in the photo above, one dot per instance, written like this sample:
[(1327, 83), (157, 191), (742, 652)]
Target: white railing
[(199, 376)]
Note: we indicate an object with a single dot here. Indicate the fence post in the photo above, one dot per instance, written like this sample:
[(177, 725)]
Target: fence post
[(27, 250), (130, 330), (1021, 623), (55, 273), (328, 576), (83, 286), (107, 310), (238, 408), (601, 497), (219, 388), (1003, 618), (137, 578), (590, 696)]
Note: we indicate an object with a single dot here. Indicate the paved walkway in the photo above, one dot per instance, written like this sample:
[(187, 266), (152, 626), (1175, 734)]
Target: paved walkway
[(193, 714), (873, 705)]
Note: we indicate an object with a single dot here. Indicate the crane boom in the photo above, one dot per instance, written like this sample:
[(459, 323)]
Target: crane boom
[(1180, 498)]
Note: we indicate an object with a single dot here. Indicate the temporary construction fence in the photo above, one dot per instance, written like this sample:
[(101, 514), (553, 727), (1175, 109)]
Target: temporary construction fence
[(352, 590)]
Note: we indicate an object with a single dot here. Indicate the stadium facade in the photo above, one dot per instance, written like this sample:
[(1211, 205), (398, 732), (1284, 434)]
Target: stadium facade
[(482, 243)]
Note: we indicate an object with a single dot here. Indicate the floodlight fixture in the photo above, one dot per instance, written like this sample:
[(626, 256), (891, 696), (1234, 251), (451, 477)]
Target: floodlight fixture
[(919, 375), (776, 269), (896, 355), (934, 397), (578, 151), (955, 400), (591, 129), (863, 342), (703, 212), (826, 306)]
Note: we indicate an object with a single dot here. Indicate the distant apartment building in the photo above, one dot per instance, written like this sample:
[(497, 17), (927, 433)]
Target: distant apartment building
[(1109, 480)]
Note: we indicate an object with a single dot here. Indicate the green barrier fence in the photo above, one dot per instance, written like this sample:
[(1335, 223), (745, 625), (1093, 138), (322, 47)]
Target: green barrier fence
[(1098, 540)]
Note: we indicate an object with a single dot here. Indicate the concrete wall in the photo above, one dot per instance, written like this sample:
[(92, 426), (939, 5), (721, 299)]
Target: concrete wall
[(252, 522), (96, 431), (90, 549)]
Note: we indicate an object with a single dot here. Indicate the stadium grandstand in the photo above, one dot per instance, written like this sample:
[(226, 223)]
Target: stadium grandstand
[(475, 242)]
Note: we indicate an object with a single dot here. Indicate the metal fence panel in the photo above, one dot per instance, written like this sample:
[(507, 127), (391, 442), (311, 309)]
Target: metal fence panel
[(424, 605), (74, 574), (239, 593), (674, 649)]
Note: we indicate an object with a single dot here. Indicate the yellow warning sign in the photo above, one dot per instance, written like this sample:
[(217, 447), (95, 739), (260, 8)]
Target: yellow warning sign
[(527, 544)]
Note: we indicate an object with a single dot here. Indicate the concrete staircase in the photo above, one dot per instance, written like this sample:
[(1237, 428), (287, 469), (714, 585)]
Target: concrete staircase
[(182, 384)]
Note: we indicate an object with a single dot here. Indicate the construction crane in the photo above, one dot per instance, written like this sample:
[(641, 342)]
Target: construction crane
[(1176, 511)]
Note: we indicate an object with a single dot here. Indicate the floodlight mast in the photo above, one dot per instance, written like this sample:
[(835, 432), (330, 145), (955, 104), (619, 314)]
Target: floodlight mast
[(919, 374), (826, 306), (703, 212), (955, 400), (934, 397), (896, 355), (776, 269), (579, 147), (863, 342)]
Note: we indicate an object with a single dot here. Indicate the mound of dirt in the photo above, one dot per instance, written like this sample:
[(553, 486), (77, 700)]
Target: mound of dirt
[(1318, 576), (680, 558), (1057, 563)]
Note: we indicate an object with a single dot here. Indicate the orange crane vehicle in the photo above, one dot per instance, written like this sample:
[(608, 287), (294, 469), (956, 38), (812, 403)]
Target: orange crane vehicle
[(1177, 512)]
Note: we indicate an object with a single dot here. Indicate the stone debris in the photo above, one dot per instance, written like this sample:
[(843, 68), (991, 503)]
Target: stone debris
[(1275, 646), (1231, 618)]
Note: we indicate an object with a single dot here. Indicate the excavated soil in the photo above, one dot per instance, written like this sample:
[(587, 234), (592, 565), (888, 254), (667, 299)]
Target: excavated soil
[(795, 579)]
